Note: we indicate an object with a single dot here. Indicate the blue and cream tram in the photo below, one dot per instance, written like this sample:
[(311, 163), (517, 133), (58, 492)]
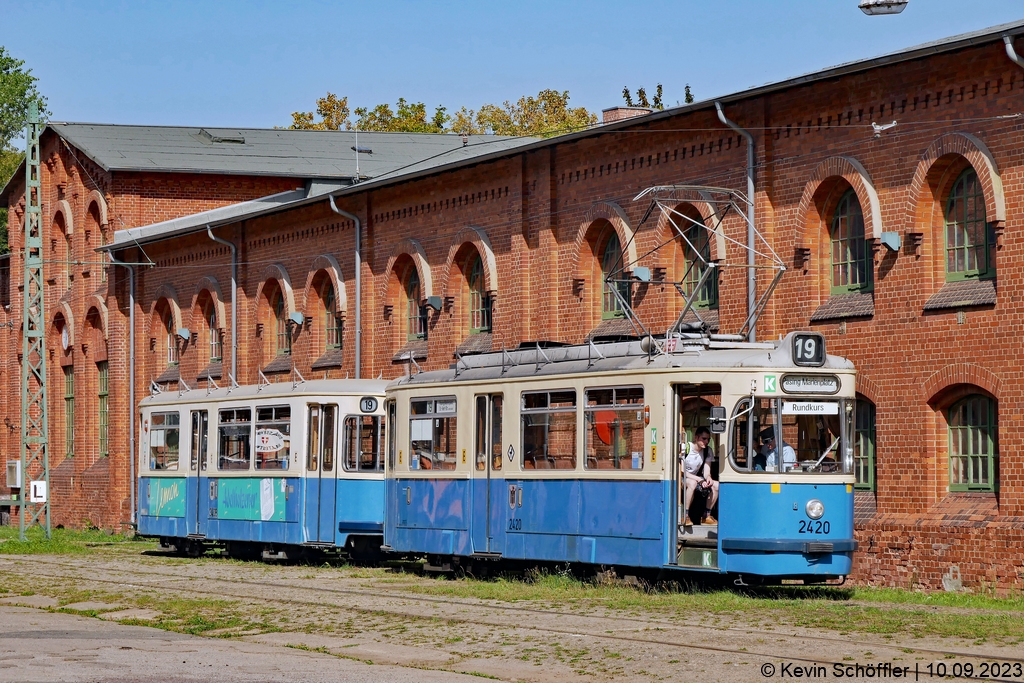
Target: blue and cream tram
[(570, 454), (264, 469)]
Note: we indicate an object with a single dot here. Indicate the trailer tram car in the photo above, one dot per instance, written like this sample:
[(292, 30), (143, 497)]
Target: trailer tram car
[(275, 469), (571, 455)]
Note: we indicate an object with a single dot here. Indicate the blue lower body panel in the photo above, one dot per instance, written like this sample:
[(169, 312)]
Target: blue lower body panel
[(764, 530)]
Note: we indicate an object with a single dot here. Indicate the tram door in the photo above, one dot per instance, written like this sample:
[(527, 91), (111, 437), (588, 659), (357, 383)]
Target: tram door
[(197, 468), (488, 514), (321, 483)]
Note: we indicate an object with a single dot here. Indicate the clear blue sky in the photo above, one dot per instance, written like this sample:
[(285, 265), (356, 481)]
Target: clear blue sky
[(221, 63)]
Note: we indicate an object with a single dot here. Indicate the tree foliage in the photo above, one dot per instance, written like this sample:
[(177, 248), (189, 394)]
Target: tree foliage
[(641, 98), (546, 114), (17, 92)]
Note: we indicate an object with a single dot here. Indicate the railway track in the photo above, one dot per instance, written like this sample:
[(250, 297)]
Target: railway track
[(565, 624)]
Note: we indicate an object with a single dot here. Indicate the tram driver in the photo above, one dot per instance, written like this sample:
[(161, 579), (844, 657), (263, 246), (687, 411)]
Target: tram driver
[(697, 475), (769, 452)]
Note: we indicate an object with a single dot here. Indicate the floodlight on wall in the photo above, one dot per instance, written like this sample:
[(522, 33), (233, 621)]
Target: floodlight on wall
[(296, 318), (642, 273), (184, 334), (434, 302), (873, 7)]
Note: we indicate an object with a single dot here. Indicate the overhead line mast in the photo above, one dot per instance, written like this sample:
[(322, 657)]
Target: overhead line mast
[(35, 463)]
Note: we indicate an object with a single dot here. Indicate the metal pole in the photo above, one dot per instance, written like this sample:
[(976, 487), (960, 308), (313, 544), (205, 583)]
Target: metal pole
[(34, 417), (234, 302), (131, 376), (751, 272), (359, 281)]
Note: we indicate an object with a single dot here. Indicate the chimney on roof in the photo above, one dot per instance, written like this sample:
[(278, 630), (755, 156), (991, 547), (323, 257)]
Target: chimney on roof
[(618, 113)]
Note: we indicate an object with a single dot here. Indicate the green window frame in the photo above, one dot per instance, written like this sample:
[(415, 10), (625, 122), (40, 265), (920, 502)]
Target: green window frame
[(851, 266), (699, 243), (172, 340), (216, 340), (970, 239), (284, 335), (69, 411), (611, 262), (864, 445), (332, 321), (479, 302), (102, 407), (973, 444), (416, 313), (69, 261)]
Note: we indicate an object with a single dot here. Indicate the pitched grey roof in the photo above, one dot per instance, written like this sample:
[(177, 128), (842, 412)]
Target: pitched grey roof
[(257, 151)]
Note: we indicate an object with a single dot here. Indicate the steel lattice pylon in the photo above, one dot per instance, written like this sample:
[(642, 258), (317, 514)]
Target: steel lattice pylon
[(35, 464)]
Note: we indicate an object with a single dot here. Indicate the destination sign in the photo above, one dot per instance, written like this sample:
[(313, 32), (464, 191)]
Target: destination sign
[(810, 384), (810, 408)]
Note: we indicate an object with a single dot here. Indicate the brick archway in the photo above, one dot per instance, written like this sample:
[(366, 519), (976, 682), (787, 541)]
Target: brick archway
[(978, 156), (95, 197), (64, 209), (867, 388), (168, 293), (854, 173), (414, 250), (328, 264), (960, 373), (278, 273), (613, 214), (94, 302), (208, 284), (478, 238)]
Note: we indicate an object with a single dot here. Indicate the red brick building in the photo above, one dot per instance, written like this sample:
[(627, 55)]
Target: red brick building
[(904, 246)]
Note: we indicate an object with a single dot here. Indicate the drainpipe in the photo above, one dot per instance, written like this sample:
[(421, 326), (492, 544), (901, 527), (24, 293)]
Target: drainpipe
[(359, 280), (131, 374), (751, 273), (234, 301), (1011, 53)]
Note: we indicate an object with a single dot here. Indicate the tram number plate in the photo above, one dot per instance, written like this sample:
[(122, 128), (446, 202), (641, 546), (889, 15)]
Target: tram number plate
[(814, 526), (515, 524)]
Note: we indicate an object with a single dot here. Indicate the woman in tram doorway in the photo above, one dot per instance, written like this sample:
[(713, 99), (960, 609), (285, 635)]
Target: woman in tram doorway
[(697, 475)]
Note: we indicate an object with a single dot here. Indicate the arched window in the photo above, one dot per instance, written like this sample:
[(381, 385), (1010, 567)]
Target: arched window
[(332, 320), (973, 444), (416, 314), (69, 259), (284, 336), (172, 339), (970, 240), (479, 302), (699, 243), (611, 265), (851, 270), (864, 445), (214, 338)]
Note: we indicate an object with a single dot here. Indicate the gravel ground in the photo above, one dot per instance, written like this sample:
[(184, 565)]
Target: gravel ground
[(380, 617)]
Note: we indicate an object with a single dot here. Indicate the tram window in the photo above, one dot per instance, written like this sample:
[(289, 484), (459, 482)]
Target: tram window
[(363, 443), (392, 446), (432, 430), (273, 437), (200, 438), (313, 445), (808, 437), (330, 419), (164, 429), (488, 443), (615, 428), (549, 430), (235, 432)]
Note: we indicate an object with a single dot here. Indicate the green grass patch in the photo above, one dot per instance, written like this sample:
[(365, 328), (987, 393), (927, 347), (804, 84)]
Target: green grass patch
[(66, 542)]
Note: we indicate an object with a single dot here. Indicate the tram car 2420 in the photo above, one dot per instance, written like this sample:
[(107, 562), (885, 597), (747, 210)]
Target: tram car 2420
[(573, 455), (271, 469)]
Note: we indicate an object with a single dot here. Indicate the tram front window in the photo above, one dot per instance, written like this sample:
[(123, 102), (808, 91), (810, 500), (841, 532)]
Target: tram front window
[(791, 435)]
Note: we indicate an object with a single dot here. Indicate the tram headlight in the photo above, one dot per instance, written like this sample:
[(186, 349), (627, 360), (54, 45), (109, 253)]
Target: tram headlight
[(815, 508)]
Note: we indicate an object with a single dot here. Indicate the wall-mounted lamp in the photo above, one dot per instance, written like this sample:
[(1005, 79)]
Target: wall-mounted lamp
[(642, 273), (434, 303), (891, 240), (296, 318), (184, 334)]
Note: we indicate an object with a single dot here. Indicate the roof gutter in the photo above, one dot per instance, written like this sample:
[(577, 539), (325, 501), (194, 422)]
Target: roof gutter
[(234, 301), (359, 281), (751, 271)]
